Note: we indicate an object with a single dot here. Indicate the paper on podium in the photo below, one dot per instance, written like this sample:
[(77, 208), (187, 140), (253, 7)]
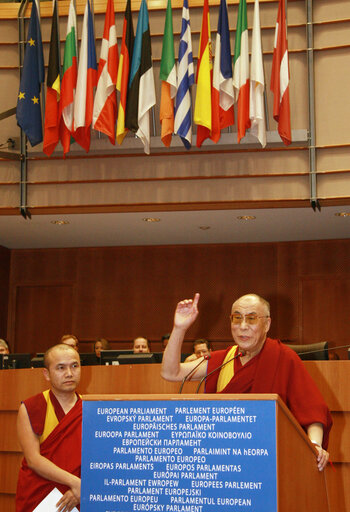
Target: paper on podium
[(49, 502)]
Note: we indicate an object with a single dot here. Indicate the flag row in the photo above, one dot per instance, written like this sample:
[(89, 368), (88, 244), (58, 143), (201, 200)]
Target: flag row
[(83, 96)]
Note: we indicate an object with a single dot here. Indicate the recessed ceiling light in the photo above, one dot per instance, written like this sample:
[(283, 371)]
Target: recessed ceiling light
[(342, 214), (204, 227), (60, 222), (246, 217), (151, 219)]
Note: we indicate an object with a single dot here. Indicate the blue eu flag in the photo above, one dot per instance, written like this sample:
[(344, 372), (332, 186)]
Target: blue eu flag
[(28, 103)]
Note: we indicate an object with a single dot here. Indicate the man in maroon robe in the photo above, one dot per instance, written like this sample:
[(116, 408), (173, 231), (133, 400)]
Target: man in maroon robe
[(49, 432), (256, 364)]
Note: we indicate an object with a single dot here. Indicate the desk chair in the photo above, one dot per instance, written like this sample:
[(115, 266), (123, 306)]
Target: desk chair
[(312, 351)]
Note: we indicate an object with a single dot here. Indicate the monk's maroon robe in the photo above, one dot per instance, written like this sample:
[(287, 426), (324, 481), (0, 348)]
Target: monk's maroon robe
[(276, 369), (62, 447)]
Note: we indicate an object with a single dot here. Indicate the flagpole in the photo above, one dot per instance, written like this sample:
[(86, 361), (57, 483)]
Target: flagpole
[(311, 93), (93, 24), (58, 40), (42, 89), (23, 138)]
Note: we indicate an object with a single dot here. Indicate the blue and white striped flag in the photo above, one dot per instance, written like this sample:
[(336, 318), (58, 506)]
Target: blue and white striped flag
[(185, 75)]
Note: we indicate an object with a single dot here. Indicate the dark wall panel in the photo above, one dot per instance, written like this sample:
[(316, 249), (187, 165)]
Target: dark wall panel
[(5, 256), (123, 292)]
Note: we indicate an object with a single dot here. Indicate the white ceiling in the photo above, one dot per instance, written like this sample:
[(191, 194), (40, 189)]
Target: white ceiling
[(117, 229)]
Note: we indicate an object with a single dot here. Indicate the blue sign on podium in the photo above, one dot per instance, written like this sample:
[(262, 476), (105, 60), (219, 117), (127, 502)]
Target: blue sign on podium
[(179, 456)]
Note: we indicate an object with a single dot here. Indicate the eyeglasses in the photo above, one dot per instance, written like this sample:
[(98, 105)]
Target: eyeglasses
[(251, 319)]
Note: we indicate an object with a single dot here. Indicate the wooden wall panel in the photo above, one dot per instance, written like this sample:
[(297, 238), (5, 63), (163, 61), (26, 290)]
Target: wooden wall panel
[(130, 291), (43, 315), (123, 292), (9, 467), (8, 442), (321, 299), (5, 255), (338, 479), (300, 314), (7, 502)]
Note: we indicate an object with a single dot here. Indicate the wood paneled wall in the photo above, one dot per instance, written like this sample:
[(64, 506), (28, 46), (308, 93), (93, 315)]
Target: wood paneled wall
[(4, 287), (123, 292)]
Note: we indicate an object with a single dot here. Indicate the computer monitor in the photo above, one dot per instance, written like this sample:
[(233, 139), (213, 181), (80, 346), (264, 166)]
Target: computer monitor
[(89, 359), (348, 353), (111, 356), (15, 361), (158, 356), (37, 362), (136, 359)]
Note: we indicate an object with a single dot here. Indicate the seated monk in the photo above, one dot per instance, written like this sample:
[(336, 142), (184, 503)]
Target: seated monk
[(258, 365), (49, 432)]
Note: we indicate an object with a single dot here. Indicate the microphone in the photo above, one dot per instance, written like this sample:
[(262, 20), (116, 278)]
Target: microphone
[(186, 377), (239, 354)]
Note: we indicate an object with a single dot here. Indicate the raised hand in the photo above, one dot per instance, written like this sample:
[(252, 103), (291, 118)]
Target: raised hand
[(186, 312)]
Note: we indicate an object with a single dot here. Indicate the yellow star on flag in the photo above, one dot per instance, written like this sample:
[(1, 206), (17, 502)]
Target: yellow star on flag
[(35, 100), (31, 42), (21, 95)]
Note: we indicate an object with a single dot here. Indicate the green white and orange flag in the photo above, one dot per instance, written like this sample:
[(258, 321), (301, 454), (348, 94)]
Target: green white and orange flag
[(124, 70), (69, 79), (52, 110), (168, 76), (241, 71)]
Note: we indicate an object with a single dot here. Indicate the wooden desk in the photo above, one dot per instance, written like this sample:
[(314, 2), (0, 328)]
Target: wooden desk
[(331, 377)]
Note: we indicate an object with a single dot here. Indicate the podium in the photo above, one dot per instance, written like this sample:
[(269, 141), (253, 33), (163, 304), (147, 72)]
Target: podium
[(197, 453)]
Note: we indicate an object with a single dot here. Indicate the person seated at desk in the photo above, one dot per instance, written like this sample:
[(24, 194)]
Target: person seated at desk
[(4, 348), (165, 339), (255, 364), (71, 340), (141, 346), (49, 432), (201, 348), (100, 344)]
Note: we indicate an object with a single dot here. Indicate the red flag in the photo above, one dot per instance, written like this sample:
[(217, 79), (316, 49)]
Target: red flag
[(105, 104), (280, 77)]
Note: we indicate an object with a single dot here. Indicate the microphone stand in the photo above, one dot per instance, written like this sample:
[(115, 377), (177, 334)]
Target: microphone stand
[(186, 377), (240, 353), (317, 351)]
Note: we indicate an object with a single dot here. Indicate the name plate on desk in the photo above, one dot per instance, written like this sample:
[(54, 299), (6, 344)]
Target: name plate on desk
[(179, 456)]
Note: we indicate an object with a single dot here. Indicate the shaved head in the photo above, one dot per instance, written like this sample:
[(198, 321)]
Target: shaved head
[(254, 297), (61, 347)]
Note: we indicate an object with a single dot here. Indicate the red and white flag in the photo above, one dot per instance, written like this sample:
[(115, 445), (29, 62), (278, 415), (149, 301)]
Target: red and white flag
[(86, 83), (280, 77), (105, 104)]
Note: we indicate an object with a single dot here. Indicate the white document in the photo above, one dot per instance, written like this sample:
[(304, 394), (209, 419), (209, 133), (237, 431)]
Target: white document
[(49, 503)]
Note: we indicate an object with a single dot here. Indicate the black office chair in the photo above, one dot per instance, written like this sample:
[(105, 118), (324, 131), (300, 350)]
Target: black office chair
[(312, 351)]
